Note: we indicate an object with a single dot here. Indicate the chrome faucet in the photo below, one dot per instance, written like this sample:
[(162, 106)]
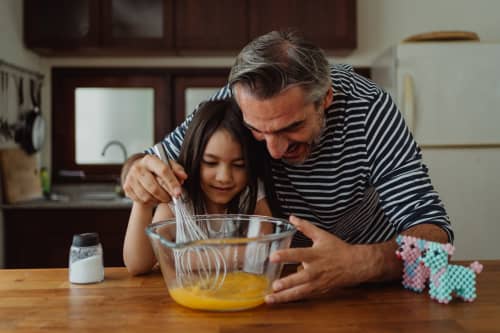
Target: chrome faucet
[(117, 143)]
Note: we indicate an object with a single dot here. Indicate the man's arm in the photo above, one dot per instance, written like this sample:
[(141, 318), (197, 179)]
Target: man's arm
[(380, 262), (397, 171), (128, 163), (332, 263)]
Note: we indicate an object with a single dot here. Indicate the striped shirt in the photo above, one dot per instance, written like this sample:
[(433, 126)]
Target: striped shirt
[(365, 181)]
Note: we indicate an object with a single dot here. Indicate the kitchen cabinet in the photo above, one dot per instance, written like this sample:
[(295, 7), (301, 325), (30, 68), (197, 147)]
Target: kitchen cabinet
[(61, 24), (330, 24), (158, 27), (96, 27), (41, 238), (189, 89), (220, 25), (202, 25), (137, 25)]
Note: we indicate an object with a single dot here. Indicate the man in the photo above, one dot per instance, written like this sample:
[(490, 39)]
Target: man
[(345, 167)]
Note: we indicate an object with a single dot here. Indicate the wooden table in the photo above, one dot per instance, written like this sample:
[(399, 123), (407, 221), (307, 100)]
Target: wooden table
[(43, 300)]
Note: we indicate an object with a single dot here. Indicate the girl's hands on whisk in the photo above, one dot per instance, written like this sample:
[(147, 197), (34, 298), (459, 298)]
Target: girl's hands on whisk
[(329, 263), (150, 180)]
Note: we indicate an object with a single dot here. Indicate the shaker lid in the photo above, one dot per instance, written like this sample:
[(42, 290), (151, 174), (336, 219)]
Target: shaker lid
[(86, 239)]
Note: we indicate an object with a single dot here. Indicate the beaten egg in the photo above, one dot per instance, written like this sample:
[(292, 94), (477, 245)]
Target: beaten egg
[(239, 291)]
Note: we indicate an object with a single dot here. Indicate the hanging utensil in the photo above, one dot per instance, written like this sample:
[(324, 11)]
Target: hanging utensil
[(20, 97), (31, 133), (4, 124), (6, 129)]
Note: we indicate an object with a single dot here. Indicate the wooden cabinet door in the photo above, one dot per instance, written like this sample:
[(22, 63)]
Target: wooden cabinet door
[(218, 25), (137, 25), (197, 86), (41, 238), (330, 24), (61, 24), (150, 27)]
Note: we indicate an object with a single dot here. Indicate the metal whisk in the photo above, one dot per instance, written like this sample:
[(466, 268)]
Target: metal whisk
[(204, 265), (200, 264)]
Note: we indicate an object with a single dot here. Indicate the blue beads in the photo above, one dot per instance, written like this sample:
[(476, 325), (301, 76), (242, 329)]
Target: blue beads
[(415, 275), (425, 260)]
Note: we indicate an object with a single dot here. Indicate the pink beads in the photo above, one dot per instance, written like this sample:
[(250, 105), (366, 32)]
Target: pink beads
[(415, 275), (425, 260)]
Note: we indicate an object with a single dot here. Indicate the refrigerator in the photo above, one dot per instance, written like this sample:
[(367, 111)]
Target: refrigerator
[(449, 94)]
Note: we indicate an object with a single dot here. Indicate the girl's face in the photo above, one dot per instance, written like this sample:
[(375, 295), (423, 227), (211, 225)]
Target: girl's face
[(222, 172)]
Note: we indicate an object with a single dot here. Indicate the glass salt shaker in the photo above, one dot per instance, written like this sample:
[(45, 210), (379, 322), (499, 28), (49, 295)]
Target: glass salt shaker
[(86, 259)]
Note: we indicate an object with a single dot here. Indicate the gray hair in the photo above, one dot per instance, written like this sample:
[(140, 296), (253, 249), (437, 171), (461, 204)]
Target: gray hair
[(280, 59)]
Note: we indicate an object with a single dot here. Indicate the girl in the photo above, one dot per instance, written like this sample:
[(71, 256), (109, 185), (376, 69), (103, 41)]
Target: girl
[(223, 162)]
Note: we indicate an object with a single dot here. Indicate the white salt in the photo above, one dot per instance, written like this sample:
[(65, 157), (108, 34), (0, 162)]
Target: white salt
[(88, 270)]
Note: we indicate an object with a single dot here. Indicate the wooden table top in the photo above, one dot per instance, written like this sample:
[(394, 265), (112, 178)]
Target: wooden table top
[(34, 300)]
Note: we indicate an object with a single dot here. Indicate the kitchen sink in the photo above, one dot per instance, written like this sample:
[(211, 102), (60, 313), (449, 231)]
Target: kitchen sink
[(101, 196), (89, 193)]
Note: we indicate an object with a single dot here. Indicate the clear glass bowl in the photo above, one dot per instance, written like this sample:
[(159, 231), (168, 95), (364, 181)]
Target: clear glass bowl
[(230, 270)]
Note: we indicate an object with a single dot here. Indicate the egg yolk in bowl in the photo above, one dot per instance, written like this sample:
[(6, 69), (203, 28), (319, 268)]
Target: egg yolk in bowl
[(240, 290)]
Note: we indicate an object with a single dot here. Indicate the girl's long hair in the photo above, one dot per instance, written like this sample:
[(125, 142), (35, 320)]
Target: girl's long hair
[(210, 117)]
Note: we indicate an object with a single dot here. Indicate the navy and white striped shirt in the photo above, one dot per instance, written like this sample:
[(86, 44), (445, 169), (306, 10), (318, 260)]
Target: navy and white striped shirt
[(365, 182)]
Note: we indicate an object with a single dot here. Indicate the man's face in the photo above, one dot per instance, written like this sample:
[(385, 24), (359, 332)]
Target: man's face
[(289, 124)]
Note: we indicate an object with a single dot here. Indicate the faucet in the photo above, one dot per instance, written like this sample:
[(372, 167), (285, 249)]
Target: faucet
[(117, 143)]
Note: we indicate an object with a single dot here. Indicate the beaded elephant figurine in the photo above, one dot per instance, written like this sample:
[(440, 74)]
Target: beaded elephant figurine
[(446, 279), (415, 275)]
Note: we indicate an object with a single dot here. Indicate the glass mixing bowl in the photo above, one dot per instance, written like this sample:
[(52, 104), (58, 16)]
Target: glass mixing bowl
[(228, 271)]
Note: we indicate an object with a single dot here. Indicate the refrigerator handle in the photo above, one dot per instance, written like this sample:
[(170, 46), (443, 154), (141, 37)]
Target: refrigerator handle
[(409, 102)]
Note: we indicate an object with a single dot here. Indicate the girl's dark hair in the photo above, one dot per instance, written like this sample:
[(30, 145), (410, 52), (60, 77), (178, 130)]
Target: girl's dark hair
[(210, 117)]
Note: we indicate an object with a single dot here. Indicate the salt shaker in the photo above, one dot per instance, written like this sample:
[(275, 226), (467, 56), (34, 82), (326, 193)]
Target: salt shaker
[(85, 259)]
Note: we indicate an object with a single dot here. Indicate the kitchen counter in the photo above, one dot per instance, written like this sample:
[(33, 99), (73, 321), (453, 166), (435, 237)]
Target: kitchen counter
[(38, 233), (33, 300), (77, 196)]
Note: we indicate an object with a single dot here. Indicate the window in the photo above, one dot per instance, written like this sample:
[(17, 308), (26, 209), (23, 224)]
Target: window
[(106, 117), (111, 112)]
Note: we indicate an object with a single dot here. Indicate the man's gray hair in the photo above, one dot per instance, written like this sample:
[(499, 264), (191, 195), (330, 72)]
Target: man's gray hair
[(280, 59)]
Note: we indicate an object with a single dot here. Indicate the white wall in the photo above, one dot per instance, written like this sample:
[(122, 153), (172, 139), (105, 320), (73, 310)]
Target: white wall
[(13, 51), (11, 36), (382, 23)]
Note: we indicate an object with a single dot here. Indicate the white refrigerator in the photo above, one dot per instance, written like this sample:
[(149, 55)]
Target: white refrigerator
[(449, 94)]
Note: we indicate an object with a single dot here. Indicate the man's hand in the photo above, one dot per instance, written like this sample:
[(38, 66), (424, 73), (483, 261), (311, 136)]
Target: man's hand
[(148, 180), (329, 263)]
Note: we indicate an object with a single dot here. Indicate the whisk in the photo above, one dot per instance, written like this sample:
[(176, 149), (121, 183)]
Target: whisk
[(200, 264)]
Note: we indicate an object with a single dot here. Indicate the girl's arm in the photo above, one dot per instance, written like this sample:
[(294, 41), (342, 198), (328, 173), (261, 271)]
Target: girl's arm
[(262, 208), (255, 254), (163, 212), (138, 254)]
